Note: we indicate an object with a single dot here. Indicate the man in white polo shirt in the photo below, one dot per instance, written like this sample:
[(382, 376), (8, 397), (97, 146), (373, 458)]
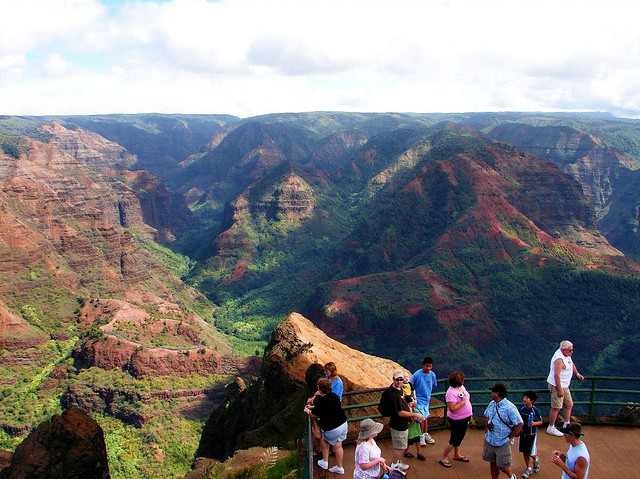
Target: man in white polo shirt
[(561, 371)]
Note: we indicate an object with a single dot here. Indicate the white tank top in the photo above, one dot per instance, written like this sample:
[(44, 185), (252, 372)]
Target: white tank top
[(565, 374)]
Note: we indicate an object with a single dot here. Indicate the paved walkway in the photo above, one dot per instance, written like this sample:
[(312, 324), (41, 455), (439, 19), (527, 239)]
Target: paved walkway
[(615, 454)]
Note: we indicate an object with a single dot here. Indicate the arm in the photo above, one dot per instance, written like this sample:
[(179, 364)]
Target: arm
[(411, 415), (373, 463), (313, 398), (557, 368), (575, 371), (537, 415), (581, 465), (454, 406), (515, 431)]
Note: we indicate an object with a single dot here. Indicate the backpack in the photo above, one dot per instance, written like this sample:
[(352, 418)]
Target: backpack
[(396, 474), (383, 407)]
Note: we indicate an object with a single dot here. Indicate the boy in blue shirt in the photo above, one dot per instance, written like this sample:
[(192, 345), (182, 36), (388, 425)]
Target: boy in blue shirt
[(532, 419), (424, 382)]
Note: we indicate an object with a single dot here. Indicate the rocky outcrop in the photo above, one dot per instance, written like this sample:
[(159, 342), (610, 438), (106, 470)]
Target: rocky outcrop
[(126, 334), (16, 333), (70, 446), (291, 200), (268, 411), (111, 352), (89, 148)]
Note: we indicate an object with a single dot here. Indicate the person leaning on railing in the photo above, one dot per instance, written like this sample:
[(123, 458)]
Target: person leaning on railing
[(333, 423)]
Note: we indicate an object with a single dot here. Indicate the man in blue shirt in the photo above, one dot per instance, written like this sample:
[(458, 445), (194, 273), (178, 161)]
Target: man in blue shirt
[(503, 425), (424, 381)]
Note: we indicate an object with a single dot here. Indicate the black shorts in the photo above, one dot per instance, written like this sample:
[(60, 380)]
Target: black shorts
[(458, 429), (526, 443)]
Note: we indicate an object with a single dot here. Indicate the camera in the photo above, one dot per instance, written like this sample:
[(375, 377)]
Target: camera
[(490, 426)]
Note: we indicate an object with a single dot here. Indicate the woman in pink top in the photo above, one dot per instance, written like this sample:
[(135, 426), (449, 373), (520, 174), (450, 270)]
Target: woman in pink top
[(459, 412)]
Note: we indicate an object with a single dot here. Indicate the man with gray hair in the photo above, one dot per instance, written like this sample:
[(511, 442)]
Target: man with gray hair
[(560, 373)]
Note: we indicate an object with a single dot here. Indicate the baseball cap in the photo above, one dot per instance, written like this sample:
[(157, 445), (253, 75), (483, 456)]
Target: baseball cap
[(499, 388), (573, 428)]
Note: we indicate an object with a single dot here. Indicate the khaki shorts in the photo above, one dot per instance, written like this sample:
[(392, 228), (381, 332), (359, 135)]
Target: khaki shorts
[(400, 439), (499, 455), (558, 402)]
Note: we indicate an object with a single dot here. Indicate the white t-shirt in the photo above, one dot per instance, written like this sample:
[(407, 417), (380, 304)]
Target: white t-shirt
[(565, 374)]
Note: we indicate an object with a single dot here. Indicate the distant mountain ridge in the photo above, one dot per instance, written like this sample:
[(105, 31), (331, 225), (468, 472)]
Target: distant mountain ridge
[(137, 250)]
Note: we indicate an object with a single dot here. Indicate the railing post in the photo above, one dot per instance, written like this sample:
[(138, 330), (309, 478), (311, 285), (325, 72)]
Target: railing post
[(308, 473), (592, 406)]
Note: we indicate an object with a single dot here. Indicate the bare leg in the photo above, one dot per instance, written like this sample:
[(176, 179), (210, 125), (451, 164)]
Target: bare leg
[(456, 452), (397, 454), (445, 453), (325, 449), (339, 452), (567, 412), (507, 471), (495, 472), (553, 416)]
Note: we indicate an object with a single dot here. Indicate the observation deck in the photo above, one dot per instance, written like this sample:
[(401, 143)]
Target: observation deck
[(607, 407)]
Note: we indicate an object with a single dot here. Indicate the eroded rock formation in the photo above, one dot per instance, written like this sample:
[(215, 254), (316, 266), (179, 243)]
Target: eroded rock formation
[(268, 411), (70, 446)]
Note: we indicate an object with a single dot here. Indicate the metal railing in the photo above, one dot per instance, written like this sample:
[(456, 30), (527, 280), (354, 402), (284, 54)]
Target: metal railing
[(597, 400)]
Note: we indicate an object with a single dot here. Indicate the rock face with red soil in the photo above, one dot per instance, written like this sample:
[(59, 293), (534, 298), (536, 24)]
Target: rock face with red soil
[(269, 411), (17, 333), (70, 446), (127, 334)]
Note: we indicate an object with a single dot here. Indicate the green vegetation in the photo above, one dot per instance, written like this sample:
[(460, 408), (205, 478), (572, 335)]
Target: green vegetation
[(162, 448), (10, 148)]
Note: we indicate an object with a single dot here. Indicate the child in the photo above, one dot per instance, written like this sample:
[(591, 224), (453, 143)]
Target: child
[(414, 429), (527, 446), (424, 381)]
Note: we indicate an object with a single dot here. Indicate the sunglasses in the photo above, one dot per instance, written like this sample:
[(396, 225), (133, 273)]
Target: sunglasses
[(398, 379)]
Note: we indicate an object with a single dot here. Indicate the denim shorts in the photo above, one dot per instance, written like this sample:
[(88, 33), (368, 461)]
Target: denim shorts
[(337, 434)]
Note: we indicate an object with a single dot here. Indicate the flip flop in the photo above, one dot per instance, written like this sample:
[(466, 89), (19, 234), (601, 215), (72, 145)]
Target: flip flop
[(445, 464), (461, 459), (408, 454), (420, 457)]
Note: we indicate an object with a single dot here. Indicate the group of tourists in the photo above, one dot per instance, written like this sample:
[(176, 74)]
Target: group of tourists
[(406, 403)]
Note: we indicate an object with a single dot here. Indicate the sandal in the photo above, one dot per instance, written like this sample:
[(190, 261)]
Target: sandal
[(421, 457), (408, 454), (446, 464), (461, 459)]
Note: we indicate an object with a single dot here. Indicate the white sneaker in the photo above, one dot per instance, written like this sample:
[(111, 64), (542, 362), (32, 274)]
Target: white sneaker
[(554, 431), (423, 442), (513, 476), (536, 465), (337, 470), (527, 472), (399, 466), (428, 439), (323, 464)]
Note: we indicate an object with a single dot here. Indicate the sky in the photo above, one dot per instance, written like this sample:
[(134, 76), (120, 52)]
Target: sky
[(251, 57)]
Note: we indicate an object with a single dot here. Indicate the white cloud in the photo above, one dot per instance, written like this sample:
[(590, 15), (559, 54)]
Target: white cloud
[(250, 57)]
